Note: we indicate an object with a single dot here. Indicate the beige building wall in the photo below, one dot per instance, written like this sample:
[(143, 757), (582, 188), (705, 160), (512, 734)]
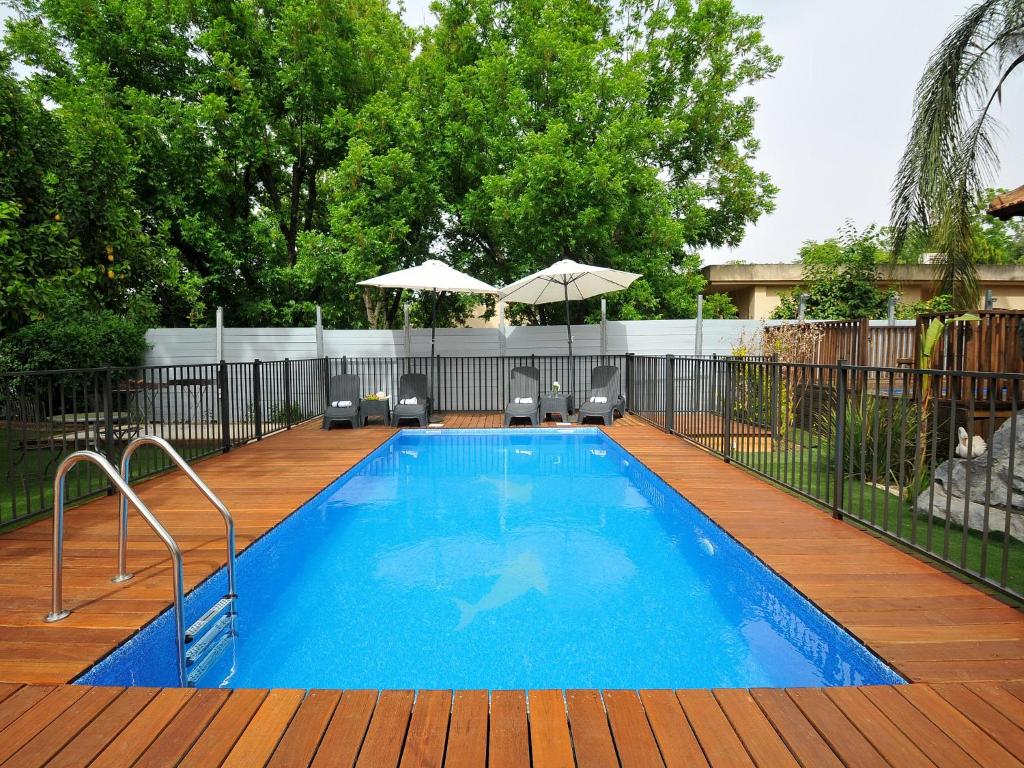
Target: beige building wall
[(756, 289)]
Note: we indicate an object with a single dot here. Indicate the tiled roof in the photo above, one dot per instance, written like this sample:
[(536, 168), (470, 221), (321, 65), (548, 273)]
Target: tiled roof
[(1007, 205)]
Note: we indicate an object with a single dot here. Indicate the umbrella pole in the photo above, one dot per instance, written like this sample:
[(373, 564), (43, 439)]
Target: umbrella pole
[(568, 332), (433, 334)]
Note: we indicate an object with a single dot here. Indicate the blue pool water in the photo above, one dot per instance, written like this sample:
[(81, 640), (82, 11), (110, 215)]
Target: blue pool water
[(506, 559)]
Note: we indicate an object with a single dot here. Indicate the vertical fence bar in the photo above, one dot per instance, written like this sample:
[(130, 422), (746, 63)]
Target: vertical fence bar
[(225, 406), (288, 393), (839, 478), (670, 386), (726, 410)]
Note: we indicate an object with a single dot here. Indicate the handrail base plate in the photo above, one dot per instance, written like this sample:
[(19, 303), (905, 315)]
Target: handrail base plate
[(52, 617)]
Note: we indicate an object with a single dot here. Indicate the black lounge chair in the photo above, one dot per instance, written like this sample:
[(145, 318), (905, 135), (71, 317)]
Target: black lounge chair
[(524, 383), (604, 383), (343, 388), (412, 385)]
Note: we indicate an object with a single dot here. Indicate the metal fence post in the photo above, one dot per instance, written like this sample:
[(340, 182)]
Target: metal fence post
[(840, 438), (327, 382), (288, 393), (108, 422), (225, 406), (727, 415), (774, 403), (670, 391), (257, 397), (630, 374)]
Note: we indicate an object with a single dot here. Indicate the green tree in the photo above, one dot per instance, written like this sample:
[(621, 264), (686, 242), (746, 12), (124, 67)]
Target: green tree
[(952, 145), (840, 278), (614, 134)]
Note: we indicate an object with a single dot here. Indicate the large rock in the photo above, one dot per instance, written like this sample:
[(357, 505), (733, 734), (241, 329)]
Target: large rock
[(965, 484)]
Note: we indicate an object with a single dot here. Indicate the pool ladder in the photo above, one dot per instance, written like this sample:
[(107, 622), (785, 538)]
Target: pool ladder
[(201, 644)]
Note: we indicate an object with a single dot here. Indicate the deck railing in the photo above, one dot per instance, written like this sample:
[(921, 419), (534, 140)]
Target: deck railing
[(878, 445), (204, 409)]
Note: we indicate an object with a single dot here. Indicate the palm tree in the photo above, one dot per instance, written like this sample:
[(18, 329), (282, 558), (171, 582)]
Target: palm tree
[(951, 150)]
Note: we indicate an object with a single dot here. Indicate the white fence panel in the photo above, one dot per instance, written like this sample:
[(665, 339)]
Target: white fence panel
[(180, 346)]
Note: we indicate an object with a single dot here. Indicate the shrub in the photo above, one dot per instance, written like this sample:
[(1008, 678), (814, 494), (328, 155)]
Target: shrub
[(880, 435), (85, 340)]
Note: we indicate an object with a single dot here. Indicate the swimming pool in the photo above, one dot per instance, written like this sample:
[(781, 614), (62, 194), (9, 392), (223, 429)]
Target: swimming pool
[(505, 559)]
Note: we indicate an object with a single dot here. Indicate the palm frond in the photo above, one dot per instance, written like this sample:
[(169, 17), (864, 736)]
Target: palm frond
[(951, 150)]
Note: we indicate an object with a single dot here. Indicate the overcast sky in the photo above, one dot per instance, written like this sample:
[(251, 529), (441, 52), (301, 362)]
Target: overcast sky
[(833, 120)]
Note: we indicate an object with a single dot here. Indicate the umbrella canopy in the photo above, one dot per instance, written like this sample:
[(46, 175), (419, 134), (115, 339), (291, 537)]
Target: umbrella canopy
[(567, 281), (431, 275)]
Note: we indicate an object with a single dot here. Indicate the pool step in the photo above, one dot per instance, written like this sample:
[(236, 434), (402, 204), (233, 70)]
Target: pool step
[(200, 669), (201, 623), (208, 638)]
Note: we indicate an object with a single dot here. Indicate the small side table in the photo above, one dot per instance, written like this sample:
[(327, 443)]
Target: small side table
[(557, 403), (369, 409)]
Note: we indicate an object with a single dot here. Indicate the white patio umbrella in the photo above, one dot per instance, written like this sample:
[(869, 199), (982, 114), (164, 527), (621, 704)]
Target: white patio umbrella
[(566, 281), (435, 276)]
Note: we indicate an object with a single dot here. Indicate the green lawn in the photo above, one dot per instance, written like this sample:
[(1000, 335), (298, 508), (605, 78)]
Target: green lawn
[(26, 475), (810, 471)]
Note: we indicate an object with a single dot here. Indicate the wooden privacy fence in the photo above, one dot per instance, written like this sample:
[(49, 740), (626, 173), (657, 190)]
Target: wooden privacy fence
[(858, 342)]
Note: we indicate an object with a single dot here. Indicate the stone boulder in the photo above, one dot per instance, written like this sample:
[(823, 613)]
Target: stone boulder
[(962, 484)]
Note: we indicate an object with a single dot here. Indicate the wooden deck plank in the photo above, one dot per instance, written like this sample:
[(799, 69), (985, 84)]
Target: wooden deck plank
[(890, 742), (428, 730), (984, 715), (972, 739), (467, 734), (385, 737), (52, 737), (841, 735), (928, 737), (549, 731), (215, 743), (344, 736), (6, 689), (509, 735), (762, 741), (258, 741), (37, 717), (1001, 699), (93, 739), (299, 743), (20, 702), (794, 729), (634, 739), (591, 736), (676, 741), (721, 745), (184, 730), (125, 748)]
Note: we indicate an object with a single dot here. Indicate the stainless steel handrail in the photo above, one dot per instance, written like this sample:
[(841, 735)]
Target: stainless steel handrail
[(122, 529), (57, 611)]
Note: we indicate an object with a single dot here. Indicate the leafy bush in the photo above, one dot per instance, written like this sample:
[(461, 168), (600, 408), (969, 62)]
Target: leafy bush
[(85, 340), (880, 437), (287, 412)]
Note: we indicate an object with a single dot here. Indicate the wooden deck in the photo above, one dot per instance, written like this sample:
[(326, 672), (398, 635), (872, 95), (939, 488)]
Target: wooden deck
[(901, 726), (963, 650)]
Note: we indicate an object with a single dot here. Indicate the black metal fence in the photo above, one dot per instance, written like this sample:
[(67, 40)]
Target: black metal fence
[(925, 457), (204, 409)]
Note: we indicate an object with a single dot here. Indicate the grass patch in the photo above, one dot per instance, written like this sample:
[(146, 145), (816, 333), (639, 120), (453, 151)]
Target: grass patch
[(810, 470), (29, 459)]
